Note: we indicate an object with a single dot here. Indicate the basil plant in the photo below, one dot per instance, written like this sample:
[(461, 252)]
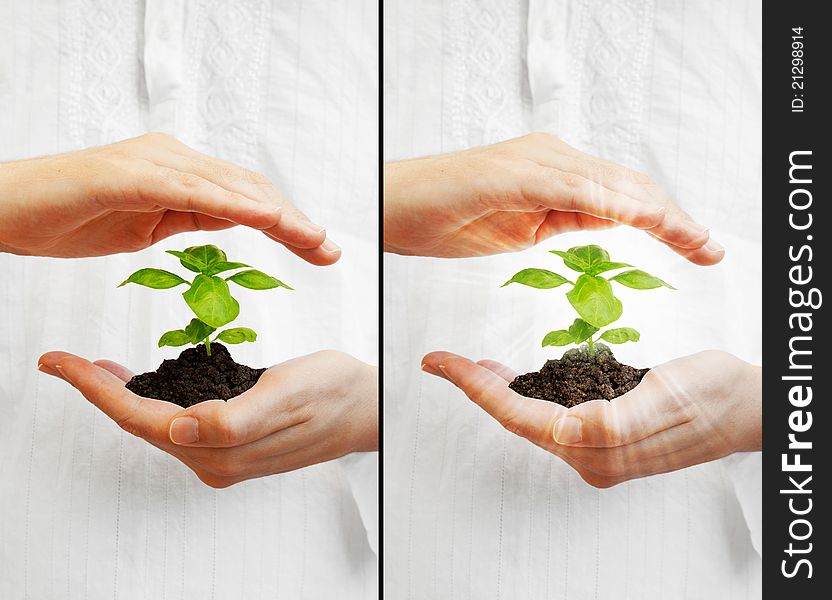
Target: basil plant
[(591, 295), (208, 295)]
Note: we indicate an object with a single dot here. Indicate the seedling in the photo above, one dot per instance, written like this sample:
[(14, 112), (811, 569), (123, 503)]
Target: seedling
[(591, 295), (208, 295)]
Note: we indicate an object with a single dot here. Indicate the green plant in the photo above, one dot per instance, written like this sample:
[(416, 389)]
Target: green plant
[(591, 295), (208, 295)]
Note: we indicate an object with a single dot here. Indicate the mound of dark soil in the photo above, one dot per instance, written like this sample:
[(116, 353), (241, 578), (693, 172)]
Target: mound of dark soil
[(579, 376), (195, 377)]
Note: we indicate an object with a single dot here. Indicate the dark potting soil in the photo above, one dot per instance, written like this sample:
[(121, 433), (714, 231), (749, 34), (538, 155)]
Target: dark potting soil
[(579, 376), (195, 377)]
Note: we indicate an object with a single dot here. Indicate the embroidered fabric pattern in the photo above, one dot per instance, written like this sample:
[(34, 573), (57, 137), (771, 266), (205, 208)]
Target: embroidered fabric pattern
[(490, 81), (105, 95), (227, 50), (610, 60)]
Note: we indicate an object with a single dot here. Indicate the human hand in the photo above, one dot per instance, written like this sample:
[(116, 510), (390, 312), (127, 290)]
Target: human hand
[(301, 412), (126, 196), (514, 194), (685, 412)]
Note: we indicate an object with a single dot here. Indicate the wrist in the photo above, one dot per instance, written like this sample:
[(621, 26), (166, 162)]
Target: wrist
[(748, 405), (393, 188), (368, 440)]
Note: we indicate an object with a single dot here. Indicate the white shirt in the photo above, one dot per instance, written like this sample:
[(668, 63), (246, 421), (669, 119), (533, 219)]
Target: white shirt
[(672, 89), (289, 89)]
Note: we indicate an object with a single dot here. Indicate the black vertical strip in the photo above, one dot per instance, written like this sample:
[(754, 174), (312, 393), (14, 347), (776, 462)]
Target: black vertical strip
[(380, 41), (796, 407)]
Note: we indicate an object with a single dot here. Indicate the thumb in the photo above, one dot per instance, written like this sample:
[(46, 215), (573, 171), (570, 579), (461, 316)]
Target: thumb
[(254, 414)]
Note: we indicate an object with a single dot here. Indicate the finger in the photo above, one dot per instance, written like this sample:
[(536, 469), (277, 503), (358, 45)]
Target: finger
[(174, 222), (655, 405), (526, 417), (676, 228), (143, 417), (116, 369), (188, 192), (254, 414), (433, 371), (562, 222), (322, 256), (293, 227), (499, 368), (709, 254), (571, 192), (669, 450)]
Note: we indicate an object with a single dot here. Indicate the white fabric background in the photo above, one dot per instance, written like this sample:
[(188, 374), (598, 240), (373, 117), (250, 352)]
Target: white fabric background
[(672, 89), (287, 88)]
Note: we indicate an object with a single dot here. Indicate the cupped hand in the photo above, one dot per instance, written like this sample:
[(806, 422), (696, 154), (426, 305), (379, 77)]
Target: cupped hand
[(301, 412), (126, 196), (685, 412), (514, 194)]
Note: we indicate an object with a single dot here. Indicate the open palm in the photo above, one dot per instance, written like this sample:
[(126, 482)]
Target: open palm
[(684, 412)]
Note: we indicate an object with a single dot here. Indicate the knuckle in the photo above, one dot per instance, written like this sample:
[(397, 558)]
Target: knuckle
[(540, 137), (128, 424), (642, 178), (127, 421), (225, 430), (158, 137), (255, 177), (612, 435), (513, 424), (189, 180), (572, 181)]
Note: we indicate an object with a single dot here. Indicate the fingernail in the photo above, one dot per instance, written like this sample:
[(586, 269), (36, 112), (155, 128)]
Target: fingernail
[(567, 430), (714, 246), (445, 374), (431, 370), (184, 430), (330, 246)]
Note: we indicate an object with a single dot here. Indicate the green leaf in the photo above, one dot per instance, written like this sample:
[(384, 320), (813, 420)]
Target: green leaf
[(191, 263), (237, 335), (211, 300), (256, 280), (223, 265), (208, 254), (561, 337), (177, 337), (580, 330), (154, 278), (592, 255), (537, 278), (621, 335), (605, 266), (639, 280), (198, 331), (573, 262), (592, 297)]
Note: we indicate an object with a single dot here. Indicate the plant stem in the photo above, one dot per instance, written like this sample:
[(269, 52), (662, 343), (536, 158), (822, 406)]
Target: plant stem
[(591, 345), (208, 346)]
